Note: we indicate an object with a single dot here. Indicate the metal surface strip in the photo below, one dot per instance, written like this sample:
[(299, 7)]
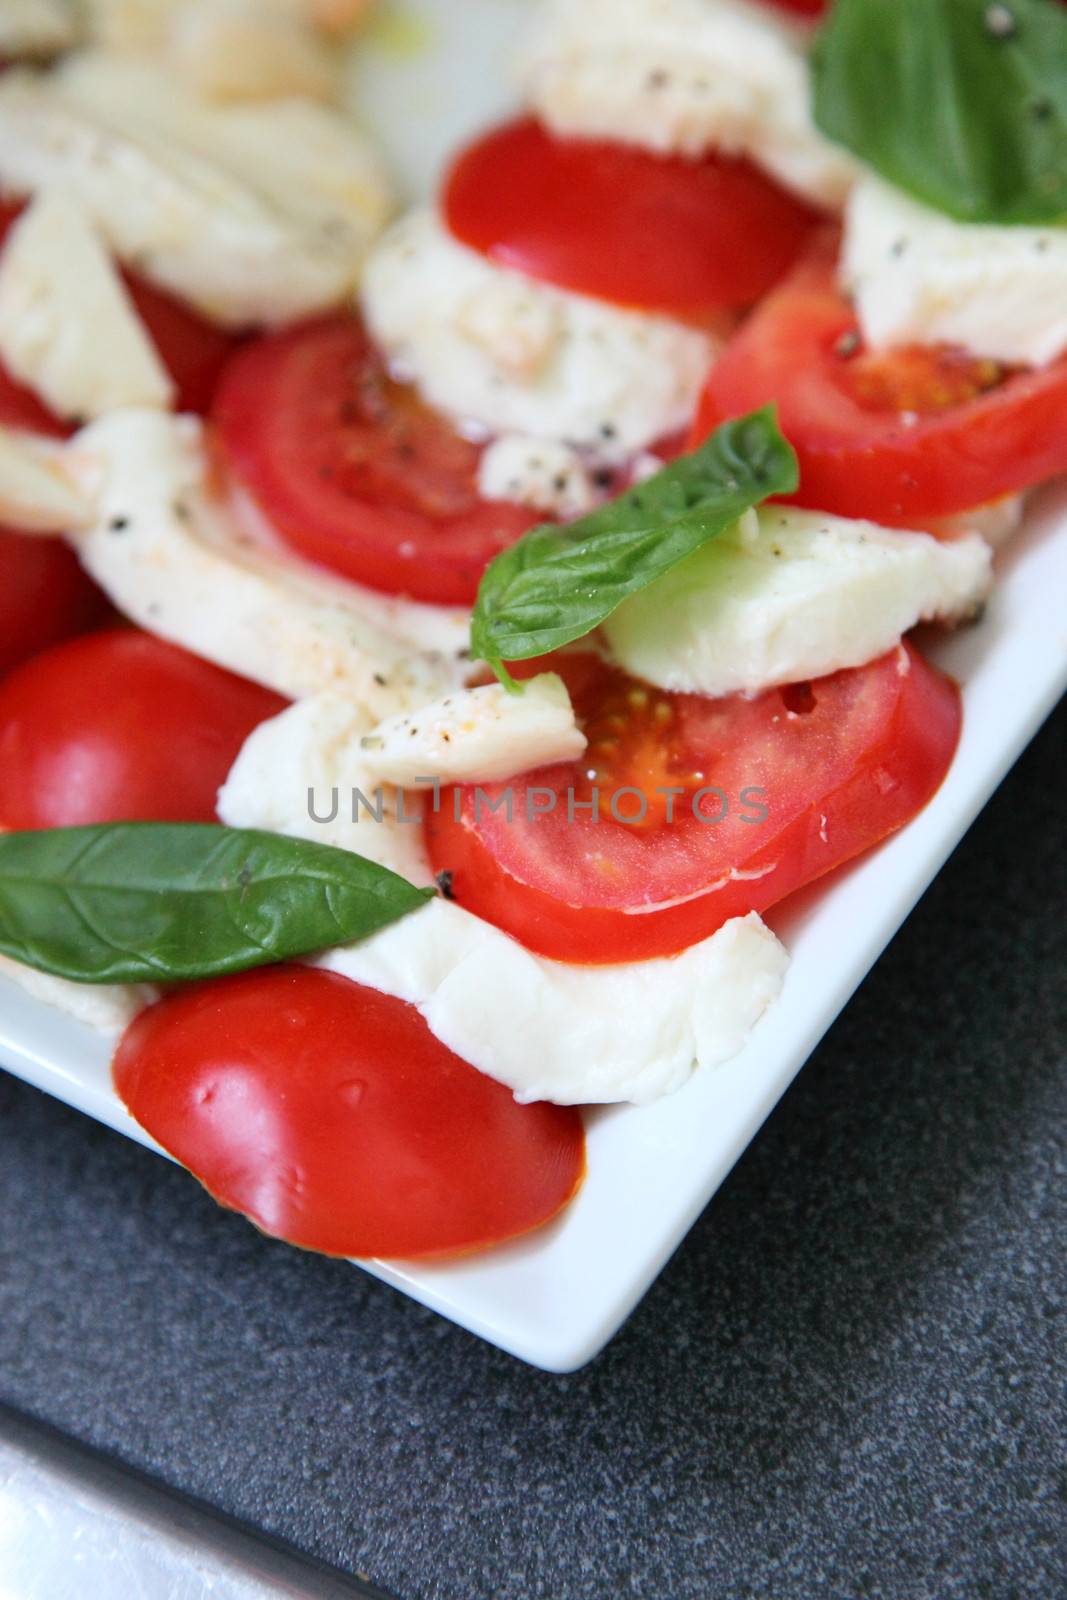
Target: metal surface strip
[(75, 1525)]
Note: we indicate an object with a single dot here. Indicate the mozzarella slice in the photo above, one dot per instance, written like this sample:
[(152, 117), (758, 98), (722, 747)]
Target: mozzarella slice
[(793, 596), (305, 773), (247, 50), (306, 162), (176, 560), (36, 494), (919, 277), (685, 76), (538, 473), (574, 1035), (251, 213), (145, 25), (481, 735), (126, 24), (491, 347), (35, 27), (68, 328), (107, 1007)]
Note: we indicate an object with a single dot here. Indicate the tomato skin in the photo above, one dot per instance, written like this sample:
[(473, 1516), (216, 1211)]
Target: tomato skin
[(837, 780), (690, 238), (191, 348), (860, 461), (45, 596), (20, 408), (331, 1116), (353, 471), (120, 726)]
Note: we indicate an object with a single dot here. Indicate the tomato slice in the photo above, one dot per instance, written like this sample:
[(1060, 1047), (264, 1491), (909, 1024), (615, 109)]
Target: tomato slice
[(806, 8), (330, 1116), (686, 237), (45, 596), (353, 471), (903, 436), (20, 408), (192, 349), (120, 726), (770, 793)]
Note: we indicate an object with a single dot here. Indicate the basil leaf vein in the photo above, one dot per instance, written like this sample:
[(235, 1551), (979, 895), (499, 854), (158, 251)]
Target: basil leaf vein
[(144, 902), (556, 584), (961, 103)]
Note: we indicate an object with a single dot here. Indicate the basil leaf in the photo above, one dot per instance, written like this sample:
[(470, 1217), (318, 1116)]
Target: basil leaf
[(559, 583), (962, 103), (146, 902)]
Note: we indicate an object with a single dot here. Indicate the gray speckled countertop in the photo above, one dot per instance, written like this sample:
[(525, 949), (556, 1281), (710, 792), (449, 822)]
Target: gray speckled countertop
[(849, 1383)]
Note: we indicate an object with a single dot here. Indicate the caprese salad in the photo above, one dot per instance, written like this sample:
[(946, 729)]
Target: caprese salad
[(432, 643)]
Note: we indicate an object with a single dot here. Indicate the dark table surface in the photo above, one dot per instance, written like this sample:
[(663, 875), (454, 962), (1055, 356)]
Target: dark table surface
[(849, 1382)]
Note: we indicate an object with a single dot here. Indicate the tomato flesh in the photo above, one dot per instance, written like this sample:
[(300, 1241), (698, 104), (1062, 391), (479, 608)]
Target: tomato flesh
[(330, 1116), (120, 726), (902, 436), (192, 349), (45, 596), (20, 408), (690, 238), (353, 471), (836, 766)]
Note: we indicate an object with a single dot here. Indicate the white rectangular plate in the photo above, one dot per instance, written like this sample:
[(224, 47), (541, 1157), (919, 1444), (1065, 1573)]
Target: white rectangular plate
[(556, 1298)]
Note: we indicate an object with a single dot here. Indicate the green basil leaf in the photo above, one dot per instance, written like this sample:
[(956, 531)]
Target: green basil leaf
[(146, 902), (962, 103), (559, 583)]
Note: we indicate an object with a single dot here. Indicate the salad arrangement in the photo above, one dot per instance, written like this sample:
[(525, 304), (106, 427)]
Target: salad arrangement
[(431, 646)]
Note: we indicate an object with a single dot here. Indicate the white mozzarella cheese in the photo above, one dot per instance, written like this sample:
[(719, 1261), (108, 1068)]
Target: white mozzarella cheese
[(304, 773), (126, 24), (481, 735), (249, 50), (308, 163), (257, 213), (36, 493), (685, 76), (540, 473), (68, 328), (494, 348), (792, 596), (35, 27), (144, 25), (175, 559), (918, 277), (574, 1035), (107, 1007)]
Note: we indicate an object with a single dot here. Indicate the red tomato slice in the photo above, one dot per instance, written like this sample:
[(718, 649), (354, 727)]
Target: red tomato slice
[(44, 596), (120, 726), (330, 1116), (687, 237), (835, 766), (193, 351), (354, 471), (806, 8), (903, 436), (20, 408)]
